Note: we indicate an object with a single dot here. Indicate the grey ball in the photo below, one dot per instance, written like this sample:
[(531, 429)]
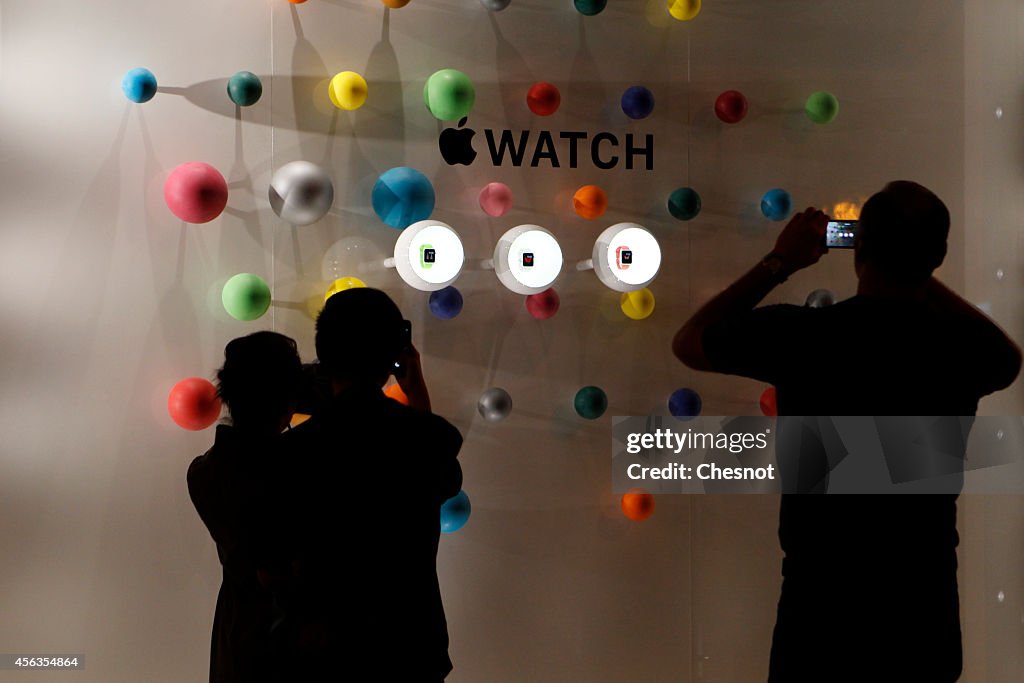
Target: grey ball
[(495, 5), (495, 404), (820, 298), (301, 192)]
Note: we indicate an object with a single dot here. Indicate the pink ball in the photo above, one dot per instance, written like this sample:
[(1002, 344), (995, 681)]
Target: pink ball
[(496, 199), (196, 192), (193, 403), (544, 305)]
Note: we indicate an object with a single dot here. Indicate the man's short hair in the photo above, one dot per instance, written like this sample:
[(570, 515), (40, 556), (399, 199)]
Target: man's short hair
[(359, 334), (903, 232), (259, 382)]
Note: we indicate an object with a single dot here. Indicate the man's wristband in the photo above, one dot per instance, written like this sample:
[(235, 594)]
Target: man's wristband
[(774, 264)]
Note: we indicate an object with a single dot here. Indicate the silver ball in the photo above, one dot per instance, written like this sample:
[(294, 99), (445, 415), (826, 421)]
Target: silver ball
[(301, 192), (820, 298), (495, 5), (495, 404)]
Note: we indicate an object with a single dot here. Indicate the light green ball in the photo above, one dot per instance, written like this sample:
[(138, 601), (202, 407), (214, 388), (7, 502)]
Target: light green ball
[(449, 95), (822, 107), (246, 296)]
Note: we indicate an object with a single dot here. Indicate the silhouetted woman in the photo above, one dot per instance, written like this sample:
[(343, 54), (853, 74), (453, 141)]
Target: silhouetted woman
[(231, 486)]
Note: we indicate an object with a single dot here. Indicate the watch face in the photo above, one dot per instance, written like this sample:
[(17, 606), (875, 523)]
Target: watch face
[(627, 257), (428, 256), (527, 259)]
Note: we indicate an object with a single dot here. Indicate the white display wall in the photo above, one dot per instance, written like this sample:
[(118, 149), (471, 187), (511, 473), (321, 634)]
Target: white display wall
[(108, 299)]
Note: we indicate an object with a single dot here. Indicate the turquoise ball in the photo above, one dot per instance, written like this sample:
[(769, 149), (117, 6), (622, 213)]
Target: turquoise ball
[(139, 85), (402, 196), (455, 512)]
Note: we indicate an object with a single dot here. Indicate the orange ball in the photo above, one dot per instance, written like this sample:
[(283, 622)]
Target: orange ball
[(590, 201), (394, 391), (638, 505), (296, 2), (395, 4)]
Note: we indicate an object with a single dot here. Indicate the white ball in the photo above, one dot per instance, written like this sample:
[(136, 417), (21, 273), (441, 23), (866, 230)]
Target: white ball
[(495, 5), (301, 192), (495, 404)]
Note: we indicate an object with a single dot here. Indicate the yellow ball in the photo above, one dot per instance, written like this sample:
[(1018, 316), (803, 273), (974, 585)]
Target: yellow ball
[(348, 90), (341, 284), (638, 305), (683, 10)]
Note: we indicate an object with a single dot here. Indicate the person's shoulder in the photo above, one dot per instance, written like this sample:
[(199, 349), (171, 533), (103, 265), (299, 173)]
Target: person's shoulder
[(203, 464)]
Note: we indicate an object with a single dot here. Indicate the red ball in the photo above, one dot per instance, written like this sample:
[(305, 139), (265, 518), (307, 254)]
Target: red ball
[(731, 106), (638, 505), (544, 305), (196, 192), (768, 405), (193, 403), (543, 99)]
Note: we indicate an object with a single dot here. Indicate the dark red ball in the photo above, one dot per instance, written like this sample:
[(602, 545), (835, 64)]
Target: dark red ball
[(731, 106), (543, 99), (544, 305)]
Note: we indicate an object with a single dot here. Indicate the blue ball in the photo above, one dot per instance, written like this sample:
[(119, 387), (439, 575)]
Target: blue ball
[(684, 403), (776, 204), (139, 85), (446, 303), (637, 102), (402, 196), (454, 512)]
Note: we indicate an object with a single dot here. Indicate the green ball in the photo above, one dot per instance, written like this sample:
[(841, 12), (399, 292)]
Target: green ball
[(590, 402), (246, 296), (822, 107), (449, 95), (245, 88), (589, 8), (684, 203)]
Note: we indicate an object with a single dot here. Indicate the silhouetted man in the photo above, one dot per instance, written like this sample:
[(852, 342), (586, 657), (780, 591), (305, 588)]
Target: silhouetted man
[(369, 477), (232, 488), (869, 590)]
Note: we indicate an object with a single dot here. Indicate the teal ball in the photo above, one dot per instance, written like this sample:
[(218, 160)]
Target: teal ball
[(684, 204), (245, 88), (590, 402), (589, 8)]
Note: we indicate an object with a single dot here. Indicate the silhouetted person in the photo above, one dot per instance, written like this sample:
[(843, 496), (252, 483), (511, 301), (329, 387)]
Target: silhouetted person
[(369, 477), (232, 487), (869, 590)]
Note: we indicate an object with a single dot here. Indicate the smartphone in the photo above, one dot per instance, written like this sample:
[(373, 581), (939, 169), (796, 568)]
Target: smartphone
[(405, 332), (428, 256), (527, 259), (623, 257), (841, 234)]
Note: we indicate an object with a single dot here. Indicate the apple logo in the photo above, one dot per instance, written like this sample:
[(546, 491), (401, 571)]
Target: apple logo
[(456, 145)]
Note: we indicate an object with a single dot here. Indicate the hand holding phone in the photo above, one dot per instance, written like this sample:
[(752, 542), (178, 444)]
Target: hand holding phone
[(841, 234)]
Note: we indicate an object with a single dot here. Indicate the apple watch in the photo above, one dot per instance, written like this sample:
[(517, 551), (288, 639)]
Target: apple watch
[(623, 257), (428, 256), (774, 264)]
